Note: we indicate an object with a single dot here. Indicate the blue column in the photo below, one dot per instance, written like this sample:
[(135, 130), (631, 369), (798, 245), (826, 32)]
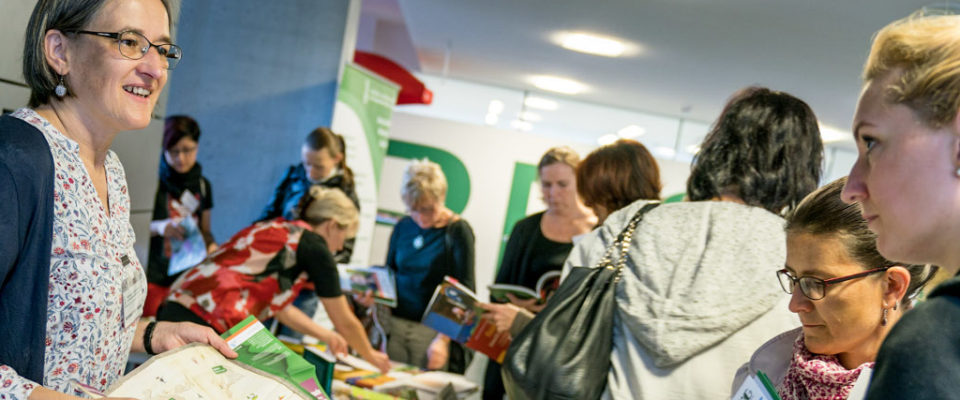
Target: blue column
[(258, 76)]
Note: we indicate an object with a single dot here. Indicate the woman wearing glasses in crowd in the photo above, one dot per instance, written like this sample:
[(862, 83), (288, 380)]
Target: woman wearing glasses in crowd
[(430, 243), (907, 181), (73, 288), (183, 193), (847, 297), (695, 297)]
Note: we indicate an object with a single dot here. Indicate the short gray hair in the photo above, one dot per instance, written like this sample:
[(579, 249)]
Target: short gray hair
[(422, 178), (62, 15)]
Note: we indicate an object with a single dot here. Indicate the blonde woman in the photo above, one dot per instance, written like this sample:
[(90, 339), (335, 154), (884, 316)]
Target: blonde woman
[(426, 245), (907, 181), (282, 256)]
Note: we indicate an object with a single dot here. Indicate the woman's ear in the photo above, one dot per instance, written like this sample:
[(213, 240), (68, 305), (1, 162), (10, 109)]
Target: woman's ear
[(55, 50), (897, 279)]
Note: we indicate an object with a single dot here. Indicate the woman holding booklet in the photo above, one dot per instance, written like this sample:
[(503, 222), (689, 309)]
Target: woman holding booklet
[(541, 242), (425, 246), (262, 269), (846, 295)]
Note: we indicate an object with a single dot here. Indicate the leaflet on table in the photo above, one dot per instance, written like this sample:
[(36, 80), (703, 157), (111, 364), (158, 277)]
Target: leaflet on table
[(196, 372), (756, 387), (317, 354), (377, 279), (402, 382), (546, 285), (453, 311), (260, 349), (188, 252)]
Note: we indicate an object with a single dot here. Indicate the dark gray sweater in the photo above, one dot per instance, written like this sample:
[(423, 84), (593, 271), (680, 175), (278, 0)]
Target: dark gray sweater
[(26, 231)]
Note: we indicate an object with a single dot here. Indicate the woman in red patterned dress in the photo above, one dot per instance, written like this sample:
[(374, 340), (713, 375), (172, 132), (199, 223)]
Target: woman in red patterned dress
[(261, 270)]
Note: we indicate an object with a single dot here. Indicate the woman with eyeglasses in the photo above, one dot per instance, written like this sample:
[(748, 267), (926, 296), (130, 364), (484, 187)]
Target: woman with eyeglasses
[(183, 193), (425, 246), (846, 295), (73, 290)]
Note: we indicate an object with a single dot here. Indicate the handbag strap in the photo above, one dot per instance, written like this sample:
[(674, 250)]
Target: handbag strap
[(623, 241)]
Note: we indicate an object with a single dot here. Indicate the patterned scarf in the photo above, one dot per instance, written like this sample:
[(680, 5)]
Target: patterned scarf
[(817, 377)]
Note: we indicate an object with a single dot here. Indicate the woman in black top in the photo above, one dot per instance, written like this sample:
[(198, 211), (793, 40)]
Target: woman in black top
[(182, 193), (540, 243), (424, 247), (262, 269)]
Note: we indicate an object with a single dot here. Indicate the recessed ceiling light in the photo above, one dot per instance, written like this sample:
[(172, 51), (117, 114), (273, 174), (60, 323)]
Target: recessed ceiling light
[(592, 44), (495, 107), (521, 125), (607, 139), (631, 132), (530, 116), (491, 119), (557, 84), (540, 103)]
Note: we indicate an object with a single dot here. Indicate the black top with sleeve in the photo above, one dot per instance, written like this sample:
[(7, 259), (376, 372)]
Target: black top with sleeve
[(314, 256), (529, 254), (920, 357), (26, 234), (420, 258)]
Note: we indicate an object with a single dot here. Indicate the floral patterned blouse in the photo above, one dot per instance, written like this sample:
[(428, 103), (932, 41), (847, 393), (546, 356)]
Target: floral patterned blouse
[(97, 285)]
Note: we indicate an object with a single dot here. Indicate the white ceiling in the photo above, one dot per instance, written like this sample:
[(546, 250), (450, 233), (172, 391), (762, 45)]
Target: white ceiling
[(695, 52)]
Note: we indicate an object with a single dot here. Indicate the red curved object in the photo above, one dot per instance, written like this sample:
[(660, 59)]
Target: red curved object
[(412, 91)]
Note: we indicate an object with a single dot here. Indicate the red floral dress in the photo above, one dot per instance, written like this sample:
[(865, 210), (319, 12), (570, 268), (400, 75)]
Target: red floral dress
[(255, 273)]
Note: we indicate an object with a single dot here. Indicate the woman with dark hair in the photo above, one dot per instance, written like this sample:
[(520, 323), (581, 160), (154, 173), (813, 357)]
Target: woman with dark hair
[(615, 175), (695, 298), (541, 242), (183, 193), (73, 289), (907, 183), (847, 297), (262, 269)]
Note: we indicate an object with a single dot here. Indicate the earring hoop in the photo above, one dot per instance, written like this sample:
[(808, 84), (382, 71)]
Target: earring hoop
[(61, 91)]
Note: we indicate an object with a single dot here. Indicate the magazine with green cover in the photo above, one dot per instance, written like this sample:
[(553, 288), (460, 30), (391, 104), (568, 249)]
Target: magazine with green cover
[(258, 348)]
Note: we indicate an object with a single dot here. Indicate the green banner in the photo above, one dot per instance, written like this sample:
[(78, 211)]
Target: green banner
[(371, 98)]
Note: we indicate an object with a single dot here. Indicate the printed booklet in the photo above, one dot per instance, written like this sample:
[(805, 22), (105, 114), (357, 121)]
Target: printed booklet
[(546, 285), (258, 348), (453, 311), (378, 279), (756, 387)]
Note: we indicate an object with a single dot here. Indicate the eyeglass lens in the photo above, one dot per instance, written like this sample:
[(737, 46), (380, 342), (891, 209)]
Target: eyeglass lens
[(134, 46)]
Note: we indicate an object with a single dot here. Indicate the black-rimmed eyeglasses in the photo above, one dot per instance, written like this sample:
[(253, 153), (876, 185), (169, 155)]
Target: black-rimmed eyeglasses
[(815, 288), (134, 46)]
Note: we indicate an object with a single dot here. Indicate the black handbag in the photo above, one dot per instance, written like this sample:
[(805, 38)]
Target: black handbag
[(564, 352)]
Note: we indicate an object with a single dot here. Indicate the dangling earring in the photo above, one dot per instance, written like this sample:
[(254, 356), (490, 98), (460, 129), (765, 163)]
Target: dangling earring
[(61, 91), (883, 321)]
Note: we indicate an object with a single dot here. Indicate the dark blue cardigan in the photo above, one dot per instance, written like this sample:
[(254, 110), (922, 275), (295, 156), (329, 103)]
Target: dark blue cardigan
[(26, 231)]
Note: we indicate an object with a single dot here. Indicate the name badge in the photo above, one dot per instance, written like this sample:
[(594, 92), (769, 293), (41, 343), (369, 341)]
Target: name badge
[(134, 292)]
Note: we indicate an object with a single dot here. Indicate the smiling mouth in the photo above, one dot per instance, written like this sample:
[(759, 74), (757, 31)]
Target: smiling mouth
[(137, 91)]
